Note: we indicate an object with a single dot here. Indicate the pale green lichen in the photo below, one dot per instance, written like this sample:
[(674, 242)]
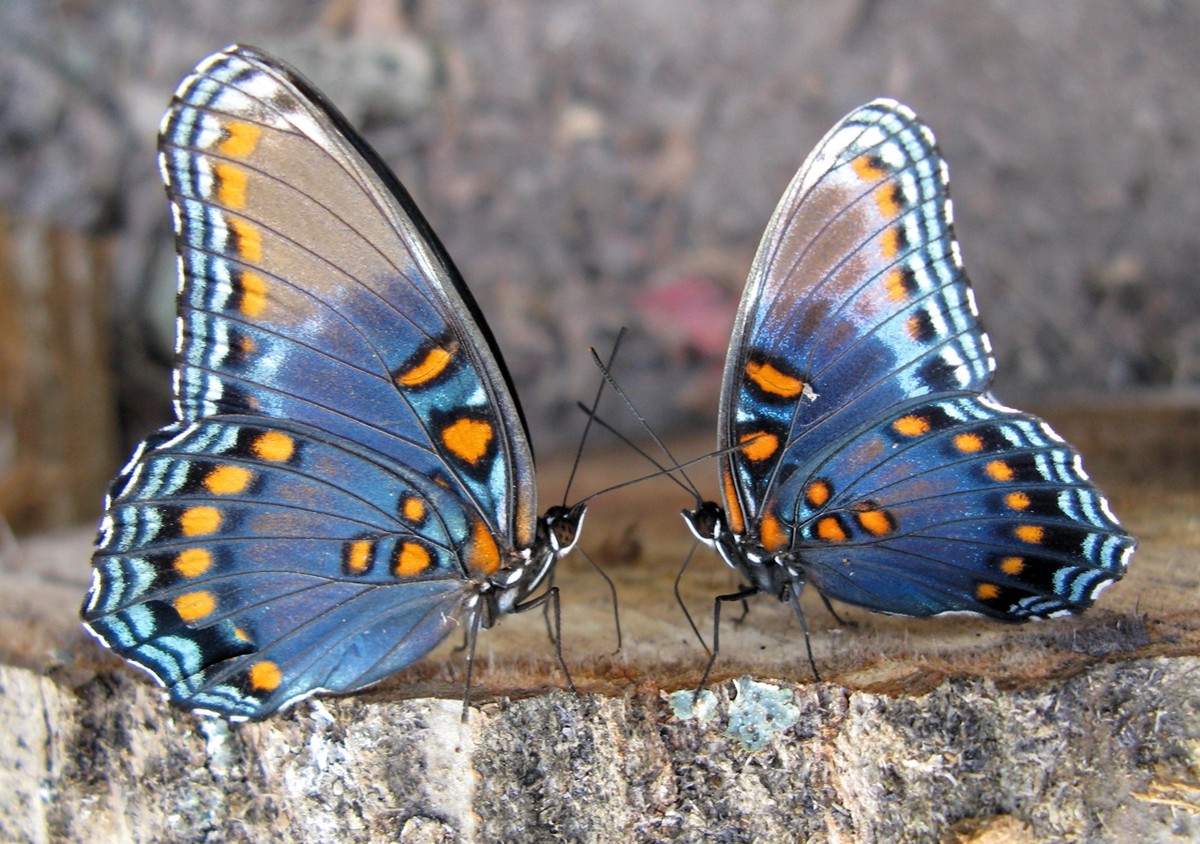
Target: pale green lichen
[(759, 712), (687, 705)]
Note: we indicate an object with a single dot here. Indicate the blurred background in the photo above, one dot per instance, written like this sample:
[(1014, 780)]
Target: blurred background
[(592, 164)]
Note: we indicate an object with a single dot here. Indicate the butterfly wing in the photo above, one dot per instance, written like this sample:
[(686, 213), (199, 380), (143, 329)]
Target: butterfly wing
[(856, 301), (348, 447), (246, 562), (312, 284), (956, 504), (856, 389)]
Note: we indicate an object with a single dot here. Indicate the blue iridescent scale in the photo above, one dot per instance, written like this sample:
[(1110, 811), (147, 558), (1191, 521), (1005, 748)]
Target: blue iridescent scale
[(862, 451), (349, 478)]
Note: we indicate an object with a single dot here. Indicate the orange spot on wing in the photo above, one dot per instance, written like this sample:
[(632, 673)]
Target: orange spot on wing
[(896, 287), (968, 443), (359, 556), (876, 522), (1012, 565), (274, 446), (998, 470), (193, 562), (249, 239), (831, 530), (817, 493), (771, 380), (231, 184), (913, 327), (889, 242), (772, 533), (1033, 534), (195, 605), (759, 445), (431, 366), (265, 676), (253, 290), (240, 139), (885, 200), (911, 425), (198, 521), (1017, 500), (868, 168), (413, 509), (733, 507), (227, 480), (483, 555), (987, 591), (411, 559), (468, 439)]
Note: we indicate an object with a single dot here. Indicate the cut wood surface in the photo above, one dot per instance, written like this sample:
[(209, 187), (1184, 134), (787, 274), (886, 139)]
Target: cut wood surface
[(1083, 728)]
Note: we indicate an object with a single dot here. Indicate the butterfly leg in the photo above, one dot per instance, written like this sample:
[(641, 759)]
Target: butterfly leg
[(745, 612), (550, 596), (472, 637), (466, 640), (683, 606), (795, 591), (550, 631), (741, 595), (612, 588), (841, 621)]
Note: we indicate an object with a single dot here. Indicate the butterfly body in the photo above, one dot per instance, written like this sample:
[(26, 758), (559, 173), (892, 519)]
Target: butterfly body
[(349, 477), (861, 449)]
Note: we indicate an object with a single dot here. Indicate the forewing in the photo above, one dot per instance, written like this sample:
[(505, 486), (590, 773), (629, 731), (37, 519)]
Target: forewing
[(312, 289), (856, 302)]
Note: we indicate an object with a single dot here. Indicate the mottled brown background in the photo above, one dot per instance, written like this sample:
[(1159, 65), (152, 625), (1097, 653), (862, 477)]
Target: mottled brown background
[(592, 164), (597, 164)]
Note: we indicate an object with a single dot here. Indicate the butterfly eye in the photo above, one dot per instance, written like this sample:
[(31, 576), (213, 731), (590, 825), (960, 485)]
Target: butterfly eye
[(706, 521), (563, 525)]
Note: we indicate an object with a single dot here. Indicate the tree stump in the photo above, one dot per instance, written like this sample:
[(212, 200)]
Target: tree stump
[(1083, 729)]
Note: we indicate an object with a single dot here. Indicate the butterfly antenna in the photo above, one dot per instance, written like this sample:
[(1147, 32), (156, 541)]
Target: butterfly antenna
[(677, 466), (667, 471), (591, 415)]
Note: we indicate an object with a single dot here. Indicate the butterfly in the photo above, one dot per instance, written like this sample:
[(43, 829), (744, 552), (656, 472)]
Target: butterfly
[(860, 448), (349, 477)]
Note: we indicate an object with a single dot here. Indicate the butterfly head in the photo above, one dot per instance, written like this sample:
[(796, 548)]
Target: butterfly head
[(766, 571), (558, 531), (561, 526), (707, 522)]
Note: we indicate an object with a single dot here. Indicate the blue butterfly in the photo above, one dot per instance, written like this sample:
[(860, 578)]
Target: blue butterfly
[(861, 451), (350, 476)]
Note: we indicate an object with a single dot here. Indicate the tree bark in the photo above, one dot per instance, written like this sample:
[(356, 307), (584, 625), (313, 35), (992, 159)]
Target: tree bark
[(1083, 729)]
